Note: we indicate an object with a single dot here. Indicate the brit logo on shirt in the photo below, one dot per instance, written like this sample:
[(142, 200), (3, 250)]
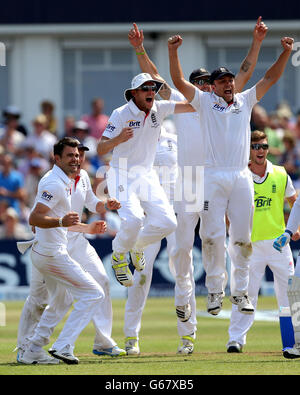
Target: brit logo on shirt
[(46, 196), (110, 127)]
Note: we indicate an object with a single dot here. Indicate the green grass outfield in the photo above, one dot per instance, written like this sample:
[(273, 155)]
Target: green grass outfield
[(158, 342)]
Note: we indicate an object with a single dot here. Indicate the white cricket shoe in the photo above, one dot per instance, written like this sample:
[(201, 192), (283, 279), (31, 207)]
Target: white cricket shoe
[(121, 269), (132, 346), (184, 312), (29, 357), (187, 346), (138, 260), (292, 353), (244, 304), (65, 354), (114, 351), (215, 303), (234, 347)]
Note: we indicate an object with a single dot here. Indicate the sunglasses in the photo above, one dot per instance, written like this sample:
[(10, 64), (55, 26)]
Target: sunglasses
[(148, 88), (256, 147), (201, 82)]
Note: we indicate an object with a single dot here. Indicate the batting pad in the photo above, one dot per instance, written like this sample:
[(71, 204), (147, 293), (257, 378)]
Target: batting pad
[(293, 293)]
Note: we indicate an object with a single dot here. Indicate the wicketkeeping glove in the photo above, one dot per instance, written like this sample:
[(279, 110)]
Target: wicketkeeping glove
[(282, 241)]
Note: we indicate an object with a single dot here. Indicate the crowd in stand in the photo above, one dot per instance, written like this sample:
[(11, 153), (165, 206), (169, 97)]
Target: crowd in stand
[(26, 155)]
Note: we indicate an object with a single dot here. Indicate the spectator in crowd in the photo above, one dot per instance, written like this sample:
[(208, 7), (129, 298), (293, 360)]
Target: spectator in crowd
[(69, 123), (81, 133), (290, 159), (97, 120), (24, 163), (41, 139), (32, 179), (285, 116), (48, 108), (3, 207), (260, 121), (12, 228), (10, 137), (13, 112), (11, 183)]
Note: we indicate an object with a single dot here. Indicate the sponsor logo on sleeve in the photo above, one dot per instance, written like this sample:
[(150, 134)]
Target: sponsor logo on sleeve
[(46, 196), (110, 127)]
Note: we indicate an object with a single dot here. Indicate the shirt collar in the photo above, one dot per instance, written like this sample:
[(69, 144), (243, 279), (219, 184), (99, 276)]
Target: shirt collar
[(62, 175)]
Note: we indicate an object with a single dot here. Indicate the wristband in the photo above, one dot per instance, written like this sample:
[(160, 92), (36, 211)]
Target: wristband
[(105, 206), (60, 222), (140, 53), (289, 232)]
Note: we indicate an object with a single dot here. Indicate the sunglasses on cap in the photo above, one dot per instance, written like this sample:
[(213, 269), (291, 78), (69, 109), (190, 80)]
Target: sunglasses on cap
[(148, 88), (201, 82), (256, 147)]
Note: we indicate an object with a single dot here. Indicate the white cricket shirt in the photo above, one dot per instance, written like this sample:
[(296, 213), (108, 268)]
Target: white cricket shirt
[(165, 162), (226, 128), (82, 196), (54, 191), (141, 148), (190, 136)]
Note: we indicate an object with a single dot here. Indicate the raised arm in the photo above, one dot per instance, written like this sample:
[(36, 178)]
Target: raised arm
[(249, 63), (275, 71), (136, 39), (185, 87)]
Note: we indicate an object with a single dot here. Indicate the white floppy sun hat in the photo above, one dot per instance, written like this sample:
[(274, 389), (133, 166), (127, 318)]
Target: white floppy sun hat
[(138, 81)]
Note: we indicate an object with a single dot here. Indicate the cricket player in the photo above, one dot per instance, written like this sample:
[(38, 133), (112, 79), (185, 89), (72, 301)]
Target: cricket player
[(132, 134), (272, 185), (228, 186), (80, 250), (63, 276), (293, 289), (165, 165), (191, 156)]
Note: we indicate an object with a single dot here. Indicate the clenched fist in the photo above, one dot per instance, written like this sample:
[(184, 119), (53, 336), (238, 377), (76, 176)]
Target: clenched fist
[(287, 43)]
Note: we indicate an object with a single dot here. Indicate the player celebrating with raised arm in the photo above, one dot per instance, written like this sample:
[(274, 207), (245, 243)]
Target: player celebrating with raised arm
[(228, 186), (132, 134), (191, 155)]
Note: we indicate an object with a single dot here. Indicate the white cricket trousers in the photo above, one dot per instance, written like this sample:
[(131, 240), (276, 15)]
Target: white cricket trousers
[(227, 191), (64, 276), (80, 250), (146, 214), (183, 265), (138, 292), (282, 266)]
